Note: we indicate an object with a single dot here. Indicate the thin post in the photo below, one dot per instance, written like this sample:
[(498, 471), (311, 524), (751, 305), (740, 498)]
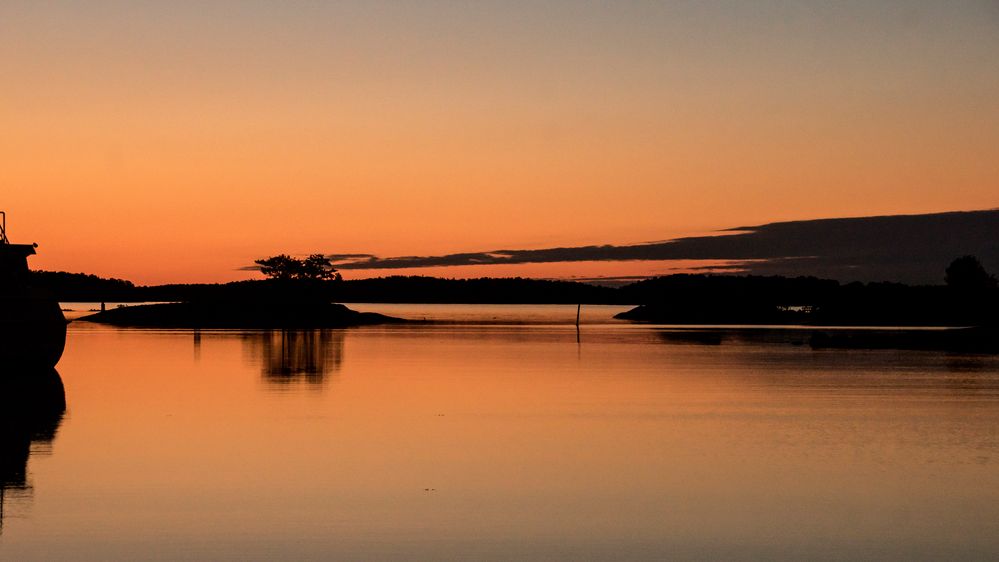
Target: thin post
[(578, 307)]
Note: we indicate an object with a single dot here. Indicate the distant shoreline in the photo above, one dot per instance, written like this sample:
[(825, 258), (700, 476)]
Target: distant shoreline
[(682, 299)]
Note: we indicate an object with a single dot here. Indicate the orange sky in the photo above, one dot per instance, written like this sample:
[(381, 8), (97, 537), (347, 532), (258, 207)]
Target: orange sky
[(165, 143)]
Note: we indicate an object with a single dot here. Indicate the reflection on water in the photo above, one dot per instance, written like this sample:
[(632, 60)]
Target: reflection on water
[(961, 363), (696, 337), (508, 442), (288, 356), (31, 409)]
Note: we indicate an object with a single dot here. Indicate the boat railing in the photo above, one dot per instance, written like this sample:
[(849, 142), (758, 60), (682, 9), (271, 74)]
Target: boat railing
[(3, 228)]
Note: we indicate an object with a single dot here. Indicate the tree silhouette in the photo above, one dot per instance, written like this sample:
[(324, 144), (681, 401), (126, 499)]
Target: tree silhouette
[(967, 273), (316, 267)]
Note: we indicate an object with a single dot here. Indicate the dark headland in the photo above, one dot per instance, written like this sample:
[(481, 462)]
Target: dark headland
[(964, 312), (272, 304), (239, 315)]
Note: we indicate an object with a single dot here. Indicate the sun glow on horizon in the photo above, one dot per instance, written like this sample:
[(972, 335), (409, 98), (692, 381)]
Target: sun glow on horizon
[(178, 143)]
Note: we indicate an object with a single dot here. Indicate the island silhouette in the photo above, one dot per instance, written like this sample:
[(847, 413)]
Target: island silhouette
[(297, 294)]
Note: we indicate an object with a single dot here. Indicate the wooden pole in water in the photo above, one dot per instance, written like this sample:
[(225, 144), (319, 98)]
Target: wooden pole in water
[(578, 307)]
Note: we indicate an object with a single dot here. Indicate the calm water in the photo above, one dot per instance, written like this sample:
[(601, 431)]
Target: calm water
[(505, 441)]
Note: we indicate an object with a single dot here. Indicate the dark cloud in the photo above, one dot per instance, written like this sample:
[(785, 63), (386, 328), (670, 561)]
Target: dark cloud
[(909, 248), (349, 257)]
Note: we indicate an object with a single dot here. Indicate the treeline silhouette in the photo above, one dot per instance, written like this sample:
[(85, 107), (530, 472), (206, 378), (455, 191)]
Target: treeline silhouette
[(681, 299), (81, 287), (74, 287), (702, 299)]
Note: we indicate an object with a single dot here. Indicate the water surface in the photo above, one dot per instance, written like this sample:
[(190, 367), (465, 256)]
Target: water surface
[(500, 441)]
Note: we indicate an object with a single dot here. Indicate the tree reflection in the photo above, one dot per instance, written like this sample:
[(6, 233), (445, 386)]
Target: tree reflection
[(31, 408), (288, 356)]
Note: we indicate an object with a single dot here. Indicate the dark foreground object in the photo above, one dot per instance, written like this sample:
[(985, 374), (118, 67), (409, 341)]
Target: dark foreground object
[(239, 315), (32, 327), (32, 332)]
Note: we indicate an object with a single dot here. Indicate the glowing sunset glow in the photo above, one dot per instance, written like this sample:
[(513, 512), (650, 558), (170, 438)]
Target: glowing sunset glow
[(177, 143)]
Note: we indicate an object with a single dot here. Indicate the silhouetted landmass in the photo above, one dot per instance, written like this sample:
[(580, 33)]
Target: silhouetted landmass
[(76, 287), (81, 287), (970, 299), (674, 299), (273, 303), (716, 299), (724, 299), (471, 291), (234, 314)]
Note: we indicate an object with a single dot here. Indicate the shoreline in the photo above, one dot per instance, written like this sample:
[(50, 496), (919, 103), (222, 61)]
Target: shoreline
[(305, 315), (234, 315)]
